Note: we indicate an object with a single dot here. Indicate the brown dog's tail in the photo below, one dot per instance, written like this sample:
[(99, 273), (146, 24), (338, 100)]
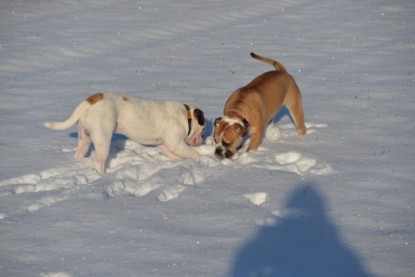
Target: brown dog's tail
[(275, 64)]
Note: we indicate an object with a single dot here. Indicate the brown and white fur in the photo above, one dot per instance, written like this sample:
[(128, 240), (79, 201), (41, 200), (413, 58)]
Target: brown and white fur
[(251, 108), (150, 122)]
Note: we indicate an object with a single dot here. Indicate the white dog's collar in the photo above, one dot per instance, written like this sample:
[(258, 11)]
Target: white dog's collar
[(189, 118)]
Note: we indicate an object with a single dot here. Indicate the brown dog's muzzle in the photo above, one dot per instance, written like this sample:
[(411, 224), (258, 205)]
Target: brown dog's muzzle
[(223, 153), (226, 150)]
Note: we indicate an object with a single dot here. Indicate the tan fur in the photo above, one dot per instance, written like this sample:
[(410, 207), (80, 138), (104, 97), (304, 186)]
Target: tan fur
[(259, 102), (275, 64), (95, 98)]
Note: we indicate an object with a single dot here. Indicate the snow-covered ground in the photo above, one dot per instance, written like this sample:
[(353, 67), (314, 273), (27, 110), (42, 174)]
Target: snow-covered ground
[(336, 202)]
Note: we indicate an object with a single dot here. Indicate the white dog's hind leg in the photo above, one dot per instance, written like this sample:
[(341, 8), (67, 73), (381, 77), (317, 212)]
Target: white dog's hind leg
[(101, 155), (84, 141), (101, 143)]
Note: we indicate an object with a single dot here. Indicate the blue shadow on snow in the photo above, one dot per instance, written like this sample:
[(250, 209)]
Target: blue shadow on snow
[(117, 144), (303, 244)]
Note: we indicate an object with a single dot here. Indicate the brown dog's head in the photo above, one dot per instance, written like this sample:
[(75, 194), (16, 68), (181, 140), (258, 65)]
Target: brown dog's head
[(228, 136)]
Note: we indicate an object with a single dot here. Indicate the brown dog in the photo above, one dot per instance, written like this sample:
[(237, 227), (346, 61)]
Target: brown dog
[(251, 108)]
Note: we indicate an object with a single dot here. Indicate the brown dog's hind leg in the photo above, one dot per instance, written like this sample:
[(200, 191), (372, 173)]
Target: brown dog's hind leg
[(297, 115), (294, 105)]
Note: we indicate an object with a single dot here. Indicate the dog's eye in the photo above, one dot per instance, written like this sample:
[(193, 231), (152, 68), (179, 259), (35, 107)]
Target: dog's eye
[(225, 144)]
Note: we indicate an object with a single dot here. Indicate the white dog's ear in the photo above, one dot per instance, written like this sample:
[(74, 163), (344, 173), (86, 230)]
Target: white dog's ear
[(199, 114), (217, 120)]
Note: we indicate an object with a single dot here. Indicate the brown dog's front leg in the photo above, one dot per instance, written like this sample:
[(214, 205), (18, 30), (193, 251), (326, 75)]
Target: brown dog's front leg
[(255, 140)]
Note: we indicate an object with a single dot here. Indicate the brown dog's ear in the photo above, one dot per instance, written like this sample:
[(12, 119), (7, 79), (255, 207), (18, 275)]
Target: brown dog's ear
[(199, 114), (218, 129), (217, 120)]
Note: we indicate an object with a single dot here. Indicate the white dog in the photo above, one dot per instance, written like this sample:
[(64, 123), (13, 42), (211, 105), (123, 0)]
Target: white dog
[(171, 125)]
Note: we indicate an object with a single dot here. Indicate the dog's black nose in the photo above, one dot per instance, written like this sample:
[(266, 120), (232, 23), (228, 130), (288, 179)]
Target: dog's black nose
[(223, 153), (228, 154), (219, 152)]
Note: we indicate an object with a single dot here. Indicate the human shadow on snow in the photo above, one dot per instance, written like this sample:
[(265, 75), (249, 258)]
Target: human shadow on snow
[(304, 243)]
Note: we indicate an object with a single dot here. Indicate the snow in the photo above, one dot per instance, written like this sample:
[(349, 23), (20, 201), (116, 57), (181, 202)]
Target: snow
[(336, 202)]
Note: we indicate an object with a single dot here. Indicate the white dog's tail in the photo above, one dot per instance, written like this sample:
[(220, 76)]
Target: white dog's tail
[(275, 64), (71, 120)]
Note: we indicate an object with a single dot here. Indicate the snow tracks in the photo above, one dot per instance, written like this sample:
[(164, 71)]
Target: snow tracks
[(137, 170)]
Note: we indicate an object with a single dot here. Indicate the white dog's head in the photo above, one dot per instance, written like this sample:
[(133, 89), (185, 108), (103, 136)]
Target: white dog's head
[(197, 125)]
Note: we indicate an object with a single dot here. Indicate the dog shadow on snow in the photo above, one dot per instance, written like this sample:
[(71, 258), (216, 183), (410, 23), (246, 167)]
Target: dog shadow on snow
[(305, 243), (118, 142), (282, 113)]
